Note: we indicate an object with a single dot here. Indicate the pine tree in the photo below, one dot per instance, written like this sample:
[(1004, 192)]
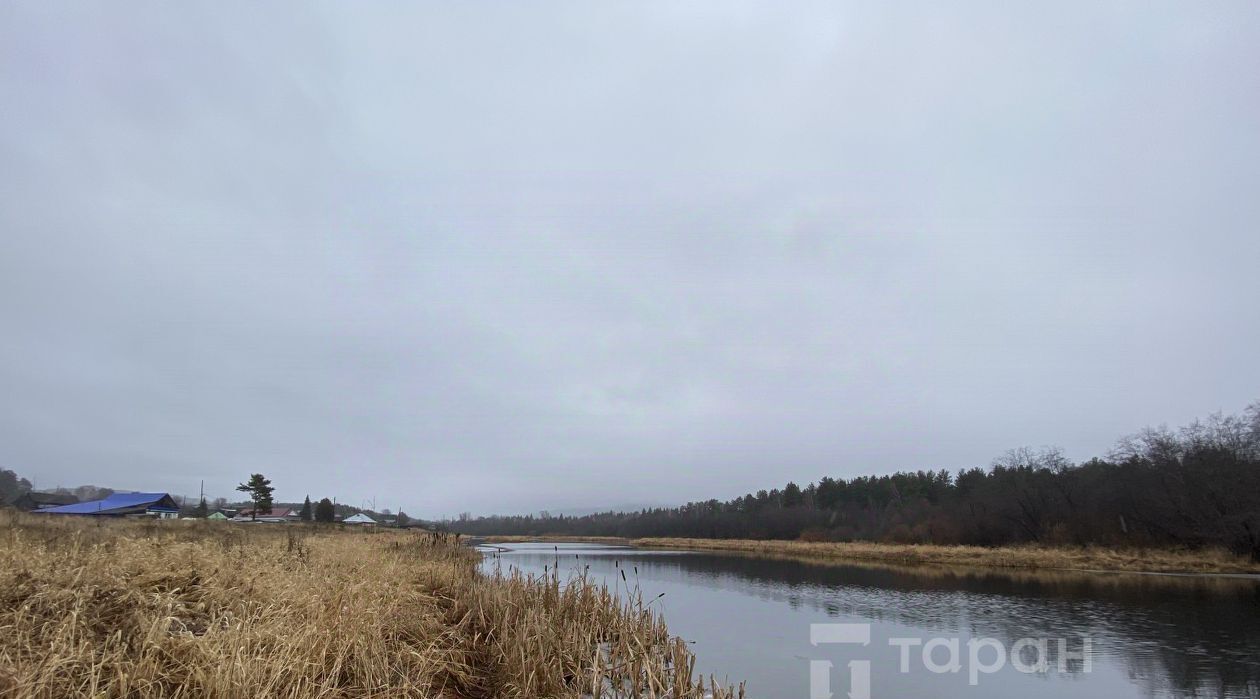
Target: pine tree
[(305, 514), (324, 511), (260, 490)]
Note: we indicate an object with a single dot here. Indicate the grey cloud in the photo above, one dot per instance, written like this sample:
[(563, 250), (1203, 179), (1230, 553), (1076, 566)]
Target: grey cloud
[(500, 258)]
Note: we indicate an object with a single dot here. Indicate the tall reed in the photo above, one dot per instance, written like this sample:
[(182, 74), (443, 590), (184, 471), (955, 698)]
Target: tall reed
[(93, 608)]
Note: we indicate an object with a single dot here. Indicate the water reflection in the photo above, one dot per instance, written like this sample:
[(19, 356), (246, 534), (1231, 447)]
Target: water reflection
[(1153, 636)]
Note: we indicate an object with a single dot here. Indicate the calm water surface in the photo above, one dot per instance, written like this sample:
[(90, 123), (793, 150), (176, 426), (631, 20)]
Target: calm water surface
[(749, 618)]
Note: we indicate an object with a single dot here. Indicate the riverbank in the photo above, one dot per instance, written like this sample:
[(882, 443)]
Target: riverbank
[(1027, 557), (516, 539), (147, 609)]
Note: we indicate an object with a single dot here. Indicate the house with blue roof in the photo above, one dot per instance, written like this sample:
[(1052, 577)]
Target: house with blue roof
[(160, 505)]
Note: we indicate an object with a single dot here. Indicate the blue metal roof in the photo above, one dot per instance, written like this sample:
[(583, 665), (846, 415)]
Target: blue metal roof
[(117, 501)]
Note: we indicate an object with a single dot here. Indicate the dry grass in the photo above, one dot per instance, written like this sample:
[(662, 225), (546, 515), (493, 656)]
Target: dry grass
[(1029, 557), (92, 608)]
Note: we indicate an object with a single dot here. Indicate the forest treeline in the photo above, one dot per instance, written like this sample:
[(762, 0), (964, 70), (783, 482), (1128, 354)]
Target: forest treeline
[(1193, 487)]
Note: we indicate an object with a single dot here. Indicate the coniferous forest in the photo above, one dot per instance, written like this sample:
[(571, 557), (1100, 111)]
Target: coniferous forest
[(1193, 487)]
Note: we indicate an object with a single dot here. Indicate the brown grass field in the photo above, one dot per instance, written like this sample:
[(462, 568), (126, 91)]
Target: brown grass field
[(107, 608), (1026, 557)]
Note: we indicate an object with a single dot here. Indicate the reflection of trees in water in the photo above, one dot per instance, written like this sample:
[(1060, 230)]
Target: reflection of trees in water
[(1182, 637)]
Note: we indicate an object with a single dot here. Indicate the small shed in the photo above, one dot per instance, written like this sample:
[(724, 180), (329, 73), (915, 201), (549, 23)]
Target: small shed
[(219, 516)]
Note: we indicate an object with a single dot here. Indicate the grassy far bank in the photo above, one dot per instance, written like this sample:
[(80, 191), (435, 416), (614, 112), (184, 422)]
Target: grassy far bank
[(519, 539), (1029, 557), (94, 608)]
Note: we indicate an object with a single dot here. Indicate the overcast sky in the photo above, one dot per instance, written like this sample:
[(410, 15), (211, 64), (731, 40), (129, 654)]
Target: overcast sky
[(509, 256)]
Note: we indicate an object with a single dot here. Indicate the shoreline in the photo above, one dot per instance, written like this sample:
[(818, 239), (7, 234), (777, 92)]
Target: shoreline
[(1094, 560), (550, 539), (1213, 563)]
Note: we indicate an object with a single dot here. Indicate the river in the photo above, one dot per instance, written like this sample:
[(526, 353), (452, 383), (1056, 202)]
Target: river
[(881, 631)]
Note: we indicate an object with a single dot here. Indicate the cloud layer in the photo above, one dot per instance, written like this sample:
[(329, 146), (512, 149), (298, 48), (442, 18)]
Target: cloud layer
[(498, 257)]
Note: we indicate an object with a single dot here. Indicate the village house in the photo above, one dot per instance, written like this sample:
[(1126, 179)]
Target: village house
[(159, 505), (274, 515)]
